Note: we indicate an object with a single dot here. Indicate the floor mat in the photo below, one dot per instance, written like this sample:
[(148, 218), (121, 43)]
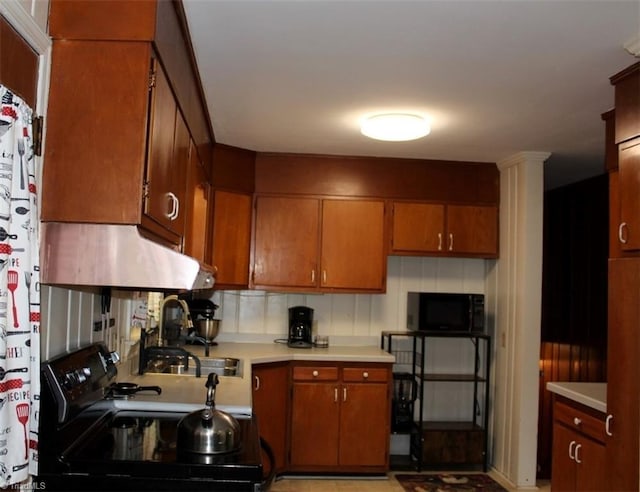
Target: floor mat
[(467, 482)]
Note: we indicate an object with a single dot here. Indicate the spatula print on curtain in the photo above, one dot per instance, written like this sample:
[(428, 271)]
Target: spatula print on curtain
[(19, 294)]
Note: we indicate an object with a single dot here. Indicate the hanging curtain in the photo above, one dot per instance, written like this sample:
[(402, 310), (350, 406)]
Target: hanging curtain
[(19, 294)]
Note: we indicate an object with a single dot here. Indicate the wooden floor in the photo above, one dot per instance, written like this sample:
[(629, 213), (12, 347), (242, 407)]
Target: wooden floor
[(388, 484)]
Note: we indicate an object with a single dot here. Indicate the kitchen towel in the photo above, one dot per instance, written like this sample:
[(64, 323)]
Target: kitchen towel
[(19, 293)]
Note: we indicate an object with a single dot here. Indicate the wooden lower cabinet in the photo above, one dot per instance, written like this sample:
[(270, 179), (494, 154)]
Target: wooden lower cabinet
[(270, 394), (579, 454), (623, 367), (340, 417)]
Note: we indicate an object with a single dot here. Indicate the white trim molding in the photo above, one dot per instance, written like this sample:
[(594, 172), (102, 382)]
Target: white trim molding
[(25, 25), (633, 45)]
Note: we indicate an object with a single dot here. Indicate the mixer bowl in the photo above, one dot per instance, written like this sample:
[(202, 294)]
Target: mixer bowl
[(207, 328)]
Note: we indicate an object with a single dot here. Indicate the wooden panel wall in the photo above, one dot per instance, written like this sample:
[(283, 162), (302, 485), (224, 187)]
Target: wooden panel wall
[(574, 295), (384, 177)]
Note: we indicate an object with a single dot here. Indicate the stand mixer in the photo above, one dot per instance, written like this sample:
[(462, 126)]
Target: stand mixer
[(204, 327)]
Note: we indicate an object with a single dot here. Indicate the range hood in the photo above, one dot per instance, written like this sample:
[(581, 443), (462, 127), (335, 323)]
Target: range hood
[(115, 256)]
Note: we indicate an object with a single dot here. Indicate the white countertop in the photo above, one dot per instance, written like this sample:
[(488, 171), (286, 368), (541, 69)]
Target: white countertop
[(186, 393), (593, 395)]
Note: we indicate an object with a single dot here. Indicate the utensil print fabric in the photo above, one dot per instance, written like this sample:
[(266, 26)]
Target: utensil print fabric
[(19, 294)]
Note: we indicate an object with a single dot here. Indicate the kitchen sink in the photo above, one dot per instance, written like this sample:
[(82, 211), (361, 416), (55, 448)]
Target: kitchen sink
[(222, 366)]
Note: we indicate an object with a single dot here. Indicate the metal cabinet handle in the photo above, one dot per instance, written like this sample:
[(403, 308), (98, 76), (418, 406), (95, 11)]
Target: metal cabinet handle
[(335, 395), (571, 445), (577, 450), (451, 241), (175, 206), (607, 425), (313, 276), (315, 374), (621, 236), (439, 241), (365, 375), (577, 421), (324, 276), (344, 394), (257, 385)]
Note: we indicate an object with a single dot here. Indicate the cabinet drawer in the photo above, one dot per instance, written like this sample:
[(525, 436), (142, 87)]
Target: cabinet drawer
[(580, 421), (312, 373), (365, 375)]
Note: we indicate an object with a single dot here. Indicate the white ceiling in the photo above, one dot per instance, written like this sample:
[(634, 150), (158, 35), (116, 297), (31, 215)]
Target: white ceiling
[(495, 77)]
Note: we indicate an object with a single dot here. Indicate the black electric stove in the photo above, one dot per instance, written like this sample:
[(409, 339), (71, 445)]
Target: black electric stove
[(86, 443)]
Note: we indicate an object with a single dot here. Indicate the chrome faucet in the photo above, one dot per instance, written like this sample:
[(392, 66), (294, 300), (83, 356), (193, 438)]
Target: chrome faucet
[(186, 315)]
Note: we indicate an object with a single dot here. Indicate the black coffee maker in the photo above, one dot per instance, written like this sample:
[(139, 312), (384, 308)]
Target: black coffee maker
[(300, 324)]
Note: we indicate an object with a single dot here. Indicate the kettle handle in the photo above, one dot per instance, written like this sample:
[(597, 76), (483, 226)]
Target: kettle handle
[(212, 382)]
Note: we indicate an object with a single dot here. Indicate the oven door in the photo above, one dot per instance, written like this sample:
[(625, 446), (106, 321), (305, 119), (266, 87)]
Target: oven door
[(135, 450)]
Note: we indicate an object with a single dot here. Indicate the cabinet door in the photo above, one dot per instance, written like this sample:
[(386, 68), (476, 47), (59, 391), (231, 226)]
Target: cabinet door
[(197, 213), (563, 467), (623, 367), (364, 425), (231, 238), (168, 157), (286, 242), (314, 424), (353, 252), (96, 133), (270, 405), (417, 227), (629, 195), (472, 230), (590, 459)]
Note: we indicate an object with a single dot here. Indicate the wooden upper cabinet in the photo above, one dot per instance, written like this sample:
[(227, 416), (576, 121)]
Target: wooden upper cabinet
[(231, 238), (418, 227), (96, 132), (353, 252), (472, 230), (129, 20), (629, 195), (627, 103), (319, 244), (452, 230), (286, 240), (197, 227), (168, 161)]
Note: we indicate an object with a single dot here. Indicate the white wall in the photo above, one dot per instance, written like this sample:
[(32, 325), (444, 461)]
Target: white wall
[(348, 318)]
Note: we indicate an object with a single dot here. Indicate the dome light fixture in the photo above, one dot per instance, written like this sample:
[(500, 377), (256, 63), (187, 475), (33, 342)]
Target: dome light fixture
[(395, 127)]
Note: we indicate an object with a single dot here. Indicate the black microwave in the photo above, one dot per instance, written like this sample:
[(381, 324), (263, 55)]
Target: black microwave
[(445, 312)]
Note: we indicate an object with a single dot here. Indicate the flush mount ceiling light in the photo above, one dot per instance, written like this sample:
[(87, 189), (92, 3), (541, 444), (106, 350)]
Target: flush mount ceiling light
[(395, 127)]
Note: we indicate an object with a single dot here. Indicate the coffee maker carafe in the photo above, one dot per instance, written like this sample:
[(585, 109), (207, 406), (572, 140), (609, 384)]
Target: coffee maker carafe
[(300, 324)]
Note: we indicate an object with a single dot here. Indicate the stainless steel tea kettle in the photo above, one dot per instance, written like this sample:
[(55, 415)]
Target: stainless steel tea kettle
[(208, 431)]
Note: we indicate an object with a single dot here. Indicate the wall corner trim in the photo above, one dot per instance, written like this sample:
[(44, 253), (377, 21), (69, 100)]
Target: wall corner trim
[(520, 157)]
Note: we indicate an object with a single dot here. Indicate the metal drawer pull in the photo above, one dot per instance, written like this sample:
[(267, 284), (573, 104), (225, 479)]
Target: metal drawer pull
[(578, 449), (607, 425), (621, 235), (365, 375), (571, 445), (314, 374), (577, 421)]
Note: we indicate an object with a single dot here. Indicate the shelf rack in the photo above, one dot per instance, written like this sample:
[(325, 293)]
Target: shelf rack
[(437, 442)]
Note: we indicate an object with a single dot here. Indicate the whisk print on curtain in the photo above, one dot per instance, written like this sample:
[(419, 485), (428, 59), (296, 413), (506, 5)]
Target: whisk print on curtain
[(19, 293)]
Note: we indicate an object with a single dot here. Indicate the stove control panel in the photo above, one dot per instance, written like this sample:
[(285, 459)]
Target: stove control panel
[(79, 379)]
